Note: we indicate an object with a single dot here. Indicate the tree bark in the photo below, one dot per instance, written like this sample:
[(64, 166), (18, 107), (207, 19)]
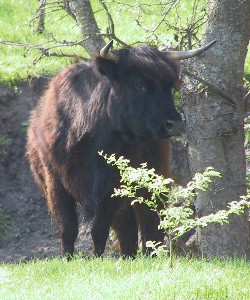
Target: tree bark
[(41, 17), (215, 126), (82, 12), (179, 165)]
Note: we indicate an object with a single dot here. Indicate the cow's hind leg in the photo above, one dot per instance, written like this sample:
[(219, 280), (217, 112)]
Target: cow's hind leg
[(148, 221), (63, 210), (126, 230)]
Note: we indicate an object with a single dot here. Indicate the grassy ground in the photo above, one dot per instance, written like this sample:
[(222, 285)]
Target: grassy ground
[(15, 63), (142, 278)]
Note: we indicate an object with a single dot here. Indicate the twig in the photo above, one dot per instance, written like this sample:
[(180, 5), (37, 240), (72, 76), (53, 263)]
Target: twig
[(112, 25), (46, 51), (49, 5), (163, 17)]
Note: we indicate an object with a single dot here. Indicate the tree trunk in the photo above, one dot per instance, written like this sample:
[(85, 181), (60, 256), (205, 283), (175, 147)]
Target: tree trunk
[(216, 127), (82, 12), (41, 17)]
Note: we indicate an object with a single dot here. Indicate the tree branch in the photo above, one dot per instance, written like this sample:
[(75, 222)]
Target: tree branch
[(46, 51)]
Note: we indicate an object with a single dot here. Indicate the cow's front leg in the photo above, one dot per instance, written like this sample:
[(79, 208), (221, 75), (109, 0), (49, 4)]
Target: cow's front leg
[(101, 225), (126, 230)]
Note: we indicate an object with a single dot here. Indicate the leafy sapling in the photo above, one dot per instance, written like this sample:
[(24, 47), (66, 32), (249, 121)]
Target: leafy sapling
[(171, 202)]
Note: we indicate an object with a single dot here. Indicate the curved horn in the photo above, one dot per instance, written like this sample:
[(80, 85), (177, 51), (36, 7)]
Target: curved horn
[(178, 55), (105, 54)]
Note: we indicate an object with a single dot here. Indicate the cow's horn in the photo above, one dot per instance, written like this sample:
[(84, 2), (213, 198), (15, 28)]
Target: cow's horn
[(105, 54), (178, 55)]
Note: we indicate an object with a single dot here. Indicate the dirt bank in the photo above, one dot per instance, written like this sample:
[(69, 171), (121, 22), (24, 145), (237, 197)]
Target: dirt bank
[(33, 233)]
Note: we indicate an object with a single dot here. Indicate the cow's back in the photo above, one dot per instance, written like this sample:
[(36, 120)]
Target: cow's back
[(62, 121)]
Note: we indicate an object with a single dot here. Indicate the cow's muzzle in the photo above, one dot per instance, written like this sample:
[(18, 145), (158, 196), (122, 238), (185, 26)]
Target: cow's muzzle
[(170, 128)]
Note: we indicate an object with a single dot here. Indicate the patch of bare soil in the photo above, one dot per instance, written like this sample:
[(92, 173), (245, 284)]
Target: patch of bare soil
[(33, 233)]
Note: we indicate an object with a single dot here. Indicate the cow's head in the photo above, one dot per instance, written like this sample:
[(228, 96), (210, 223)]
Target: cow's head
[(141, 103)]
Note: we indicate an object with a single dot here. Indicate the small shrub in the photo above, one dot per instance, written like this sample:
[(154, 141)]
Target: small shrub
[(175, 220)]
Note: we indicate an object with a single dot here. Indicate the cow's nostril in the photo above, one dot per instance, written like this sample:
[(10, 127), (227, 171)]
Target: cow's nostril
[(173, 127), (169, 128), (169, 125)]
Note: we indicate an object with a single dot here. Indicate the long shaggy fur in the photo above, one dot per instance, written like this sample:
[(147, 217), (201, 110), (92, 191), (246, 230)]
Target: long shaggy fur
[(116, 107)]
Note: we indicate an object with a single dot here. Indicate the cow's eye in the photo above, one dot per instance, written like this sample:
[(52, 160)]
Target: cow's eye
[(139, 86)]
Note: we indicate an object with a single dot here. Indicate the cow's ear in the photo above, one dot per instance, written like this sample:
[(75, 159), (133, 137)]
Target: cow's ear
[(107, 68)]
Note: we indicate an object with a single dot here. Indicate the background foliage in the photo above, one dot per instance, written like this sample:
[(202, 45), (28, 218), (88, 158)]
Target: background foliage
[(134, 22)]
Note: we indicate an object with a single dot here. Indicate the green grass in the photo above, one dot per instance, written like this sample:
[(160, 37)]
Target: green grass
[(142, 278), (16, 64)]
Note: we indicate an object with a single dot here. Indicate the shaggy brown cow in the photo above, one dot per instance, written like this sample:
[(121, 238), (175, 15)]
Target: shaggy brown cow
[(120, 102)]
